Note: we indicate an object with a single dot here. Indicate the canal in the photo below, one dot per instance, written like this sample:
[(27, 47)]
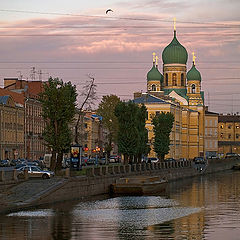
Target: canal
[(206, 207)]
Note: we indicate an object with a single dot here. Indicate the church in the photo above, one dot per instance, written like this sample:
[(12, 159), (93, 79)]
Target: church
[(178, 91)]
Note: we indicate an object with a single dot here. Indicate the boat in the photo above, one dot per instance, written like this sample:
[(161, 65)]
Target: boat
[(236, 166), (139, 185)]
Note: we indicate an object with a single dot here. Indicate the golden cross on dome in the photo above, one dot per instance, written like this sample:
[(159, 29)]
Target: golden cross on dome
[(156, 60), (194, 57), (154, 56), (174, 23)]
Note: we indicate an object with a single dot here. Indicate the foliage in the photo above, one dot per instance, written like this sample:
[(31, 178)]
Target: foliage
[(132, 134), (162, 127), (58, 108), (110, 122)]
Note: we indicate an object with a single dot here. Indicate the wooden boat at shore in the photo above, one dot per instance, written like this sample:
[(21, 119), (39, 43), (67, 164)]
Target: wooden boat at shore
[(236, 166), (139, 185)]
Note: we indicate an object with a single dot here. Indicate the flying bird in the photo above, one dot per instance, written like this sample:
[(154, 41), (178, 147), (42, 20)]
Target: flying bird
[(109, 10)]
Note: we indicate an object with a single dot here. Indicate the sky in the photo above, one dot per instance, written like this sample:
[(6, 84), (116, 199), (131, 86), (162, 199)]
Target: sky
[(74, 39)]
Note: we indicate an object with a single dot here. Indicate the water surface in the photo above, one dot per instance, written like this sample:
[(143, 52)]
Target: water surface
[(206, 207)]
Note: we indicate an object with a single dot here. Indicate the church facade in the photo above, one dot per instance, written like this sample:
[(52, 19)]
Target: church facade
[(178, 91)]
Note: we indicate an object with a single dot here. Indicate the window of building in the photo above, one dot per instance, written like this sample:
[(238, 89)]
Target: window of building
[(237, 126), (229, 126), (210, 122), (210, 132), (210, 144), (182, 79), (221, 135), (193, 88), (206, 122), (237, 136), (229, 136), (154, 87), (174, 79), (221, 126), (166, 79)]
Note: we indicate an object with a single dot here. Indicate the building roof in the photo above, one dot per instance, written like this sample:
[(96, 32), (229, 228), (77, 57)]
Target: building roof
[(4, 99), (211, 113), (193, 74), (229, 118), (182, 92), (154, 74), (174, 52), (148, 98), (17, 97)]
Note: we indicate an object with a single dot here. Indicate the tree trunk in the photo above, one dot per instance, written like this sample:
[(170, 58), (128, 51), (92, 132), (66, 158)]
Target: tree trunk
[(53, 161), (59, 161)]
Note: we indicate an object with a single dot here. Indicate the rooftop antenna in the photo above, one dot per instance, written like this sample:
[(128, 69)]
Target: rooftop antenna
[(40, 74), (20, 75), (33, 73)]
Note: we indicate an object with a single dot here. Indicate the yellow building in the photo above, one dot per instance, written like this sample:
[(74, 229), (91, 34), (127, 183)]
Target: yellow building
[(90, 133), (229, 134), (211, 134), (11, 128), (179, 92)]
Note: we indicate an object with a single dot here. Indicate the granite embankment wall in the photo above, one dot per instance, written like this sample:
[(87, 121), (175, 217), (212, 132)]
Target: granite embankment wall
[(99, 179)]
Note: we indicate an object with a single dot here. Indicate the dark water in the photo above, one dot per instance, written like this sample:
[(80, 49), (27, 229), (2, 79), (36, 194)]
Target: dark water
[(206, 207)]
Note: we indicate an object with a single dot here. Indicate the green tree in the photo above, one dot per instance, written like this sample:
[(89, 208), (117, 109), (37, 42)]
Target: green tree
[(58, 108), (132, 134), (127, 133), (142, 146), (162, 127), (110, 122)]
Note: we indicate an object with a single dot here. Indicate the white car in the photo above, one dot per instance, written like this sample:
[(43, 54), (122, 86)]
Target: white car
[(34, 172)]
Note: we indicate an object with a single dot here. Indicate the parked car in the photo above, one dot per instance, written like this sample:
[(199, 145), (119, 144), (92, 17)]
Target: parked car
[(91, 161), (114, 159), (231, 155), (34, 172), (102, 161), (199, 160), (14, 162), (169, 160), (152, 160), (4, 163)]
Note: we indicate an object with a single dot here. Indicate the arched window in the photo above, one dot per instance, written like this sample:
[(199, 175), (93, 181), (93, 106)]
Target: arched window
[(174, 79), (182, 79), (193, 88), (166, 79), (154, 87)]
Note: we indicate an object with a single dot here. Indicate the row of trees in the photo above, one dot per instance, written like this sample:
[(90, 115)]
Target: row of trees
[(125, 122)]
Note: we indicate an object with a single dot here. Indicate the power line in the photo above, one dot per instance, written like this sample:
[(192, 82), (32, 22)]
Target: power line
[(113, 34), (110, 17), (108, 68), (116, 27), (107, 62)]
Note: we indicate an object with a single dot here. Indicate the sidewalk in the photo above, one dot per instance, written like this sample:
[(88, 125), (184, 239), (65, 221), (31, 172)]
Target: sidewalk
[(24, 193)]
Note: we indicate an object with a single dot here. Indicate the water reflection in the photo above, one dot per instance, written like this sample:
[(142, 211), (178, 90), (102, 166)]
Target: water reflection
[(196, 208)]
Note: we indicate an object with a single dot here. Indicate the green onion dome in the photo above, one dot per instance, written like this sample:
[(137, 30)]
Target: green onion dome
[(174, 52), (154, 74), (193, 74)]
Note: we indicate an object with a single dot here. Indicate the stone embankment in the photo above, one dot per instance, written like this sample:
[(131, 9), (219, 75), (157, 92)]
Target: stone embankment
[(26, 193)]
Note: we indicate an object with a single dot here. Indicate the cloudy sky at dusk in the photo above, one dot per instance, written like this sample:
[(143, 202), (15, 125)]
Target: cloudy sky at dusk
[(74, 38)]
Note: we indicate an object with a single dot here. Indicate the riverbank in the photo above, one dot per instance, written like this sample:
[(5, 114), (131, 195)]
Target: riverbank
[(97, 181)]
